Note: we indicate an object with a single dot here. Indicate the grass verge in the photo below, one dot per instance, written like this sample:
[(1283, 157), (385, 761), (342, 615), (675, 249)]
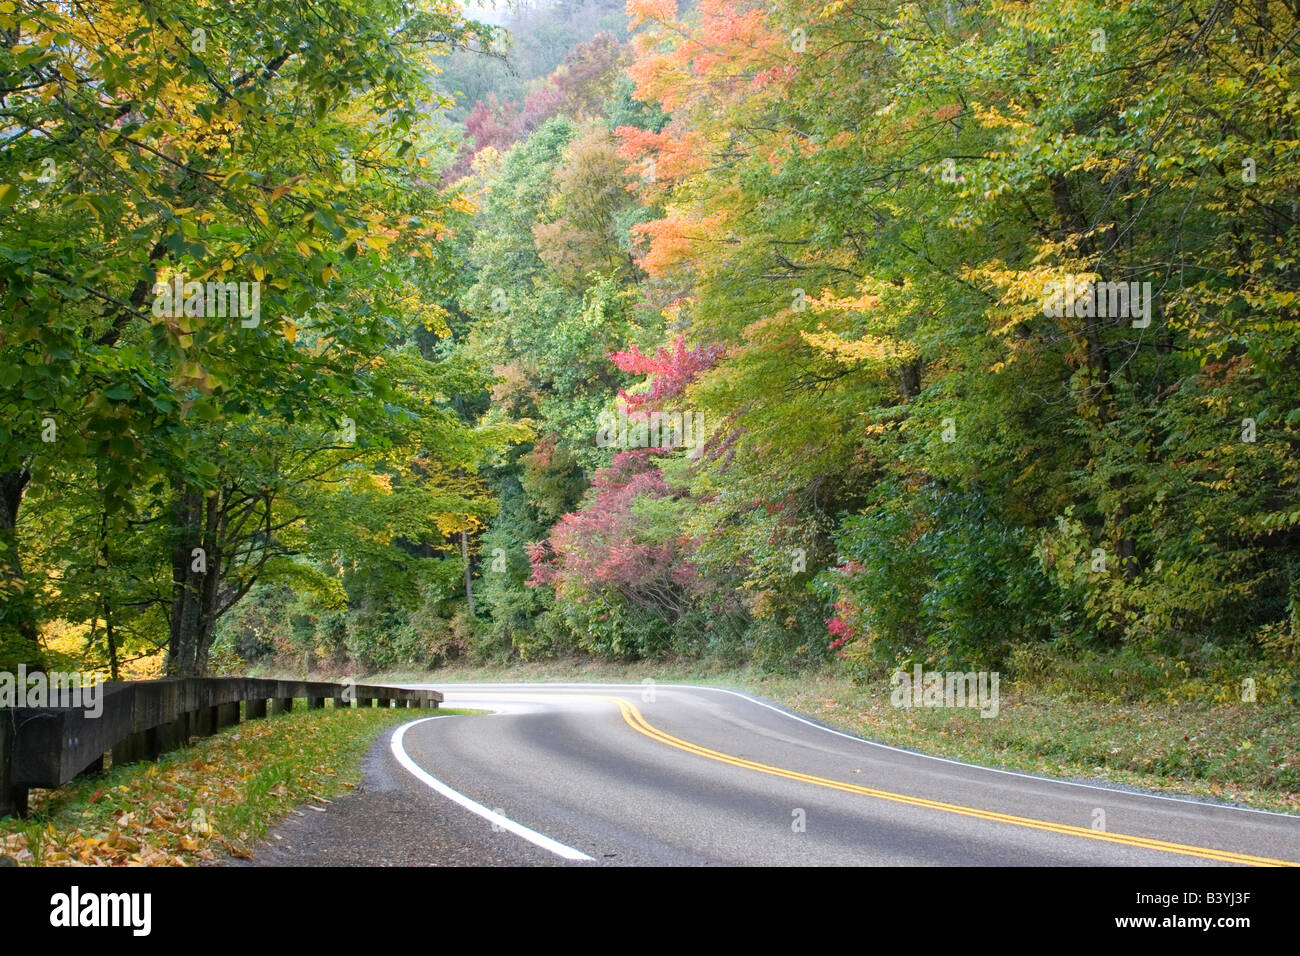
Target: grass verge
[(217, 796), (1242, 753)]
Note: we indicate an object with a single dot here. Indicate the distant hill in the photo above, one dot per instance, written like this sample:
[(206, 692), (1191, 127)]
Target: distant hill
[(539, 38)]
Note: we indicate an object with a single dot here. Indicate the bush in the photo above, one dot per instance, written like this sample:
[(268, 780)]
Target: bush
[(615, 629), (934, 577)]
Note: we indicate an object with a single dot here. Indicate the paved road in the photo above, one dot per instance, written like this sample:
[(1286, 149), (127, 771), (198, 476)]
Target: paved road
[(680, 775), (564, 774)]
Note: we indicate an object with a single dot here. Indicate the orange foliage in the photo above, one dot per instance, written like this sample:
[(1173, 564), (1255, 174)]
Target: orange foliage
[(731, 51), (673, 239), (639, 11), (660, 78), (675, 158)]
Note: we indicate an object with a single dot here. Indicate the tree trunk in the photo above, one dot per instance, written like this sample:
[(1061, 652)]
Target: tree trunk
[(114, 668), (469, 580), (18, 643), (909, 379), (196, 576)]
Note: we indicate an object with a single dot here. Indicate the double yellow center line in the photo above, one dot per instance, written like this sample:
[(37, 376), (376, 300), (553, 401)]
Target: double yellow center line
[(638, 723)]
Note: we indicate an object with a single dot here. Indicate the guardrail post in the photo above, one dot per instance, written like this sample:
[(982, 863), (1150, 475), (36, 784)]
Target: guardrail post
[(144, 745), (342, 703), (131, 750), (95, 766), (13, 798), (255, 708), (203, 722), (315, 703), (281, 705), (227, 715), (174, 734)]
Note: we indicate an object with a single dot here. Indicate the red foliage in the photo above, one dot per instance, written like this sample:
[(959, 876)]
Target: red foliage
[(579, 88), (599, 548), (491, 123), (502, 124), (841, 626), (673, 369)]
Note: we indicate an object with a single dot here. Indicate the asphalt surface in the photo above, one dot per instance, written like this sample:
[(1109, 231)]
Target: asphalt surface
[(587, 774)]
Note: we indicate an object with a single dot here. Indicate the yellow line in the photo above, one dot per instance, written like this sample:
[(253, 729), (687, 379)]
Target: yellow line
[(639, 724)]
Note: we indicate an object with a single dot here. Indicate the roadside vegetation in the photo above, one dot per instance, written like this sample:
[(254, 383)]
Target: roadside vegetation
[(213, 799)]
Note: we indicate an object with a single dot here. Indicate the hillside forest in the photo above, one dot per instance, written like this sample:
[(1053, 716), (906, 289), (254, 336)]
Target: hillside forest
[(365, 336)]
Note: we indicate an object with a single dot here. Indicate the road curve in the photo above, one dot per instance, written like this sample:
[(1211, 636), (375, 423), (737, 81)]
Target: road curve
[(677, 775)]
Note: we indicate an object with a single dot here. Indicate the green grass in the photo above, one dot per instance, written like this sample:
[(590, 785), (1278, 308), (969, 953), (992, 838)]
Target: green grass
[(1206, 746), (214, 798)]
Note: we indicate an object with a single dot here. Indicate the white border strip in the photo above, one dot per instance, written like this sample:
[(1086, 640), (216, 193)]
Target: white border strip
[(496, 819)]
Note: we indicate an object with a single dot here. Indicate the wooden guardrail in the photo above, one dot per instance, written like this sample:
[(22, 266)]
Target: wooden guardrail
[(48, 746)]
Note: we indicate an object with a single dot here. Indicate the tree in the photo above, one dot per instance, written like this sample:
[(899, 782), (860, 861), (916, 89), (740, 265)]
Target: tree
[(153, 153)]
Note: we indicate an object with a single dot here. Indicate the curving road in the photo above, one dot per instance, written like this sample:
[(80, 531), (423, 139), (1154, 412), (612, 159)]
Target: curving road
[(676, 775)]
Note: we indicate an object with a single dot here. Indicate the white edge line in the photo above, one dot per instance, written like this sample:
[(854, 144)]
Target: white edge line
[(451, 685), (505, 823)]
